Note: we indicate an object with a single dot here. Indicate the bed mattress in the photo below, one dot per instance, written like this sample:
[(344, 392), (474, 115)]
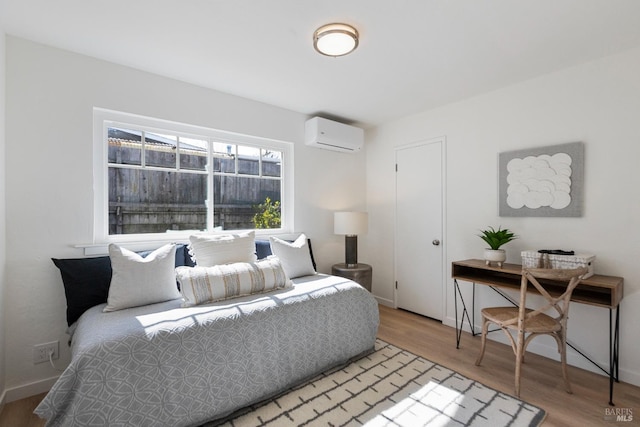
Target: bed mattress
[(165, 365)]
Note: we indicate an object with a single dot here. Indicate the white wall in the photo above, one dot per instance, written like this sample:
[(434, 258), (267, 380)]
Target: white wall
[(2, 212), (597, 103), (50, 96)]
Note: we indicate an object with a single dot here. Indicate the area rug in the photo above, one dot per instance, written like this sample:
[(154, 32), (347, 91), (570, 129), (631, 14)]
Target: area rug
[(389, 387)]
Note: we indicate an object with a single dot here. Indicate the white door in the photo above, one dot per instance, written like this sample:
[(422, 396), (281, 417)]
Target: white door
[(419, 228)]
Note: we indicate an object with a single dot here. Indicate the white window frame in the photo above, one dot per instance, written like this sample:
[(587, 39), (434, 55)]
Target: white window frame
[(103, 119)]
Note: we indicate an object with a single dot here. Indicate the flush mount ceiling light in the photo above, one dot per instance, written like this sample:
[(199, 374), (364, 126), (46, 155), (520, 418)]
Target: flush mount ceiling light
[(335, 39)]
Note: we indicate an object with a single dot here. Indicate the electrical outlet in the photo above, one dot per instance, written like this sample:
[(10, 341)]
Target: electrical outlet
[(41, 352)]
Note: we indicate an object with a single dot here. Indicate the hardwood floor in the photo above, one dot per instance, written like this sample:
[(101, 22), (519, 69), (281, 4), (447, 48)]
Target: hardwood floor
[(542, 383), (20, 413)]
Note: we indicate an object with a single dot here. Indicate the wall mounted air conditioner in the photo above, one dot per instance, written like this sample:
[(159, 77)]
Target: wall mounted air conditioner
[(330, 135)]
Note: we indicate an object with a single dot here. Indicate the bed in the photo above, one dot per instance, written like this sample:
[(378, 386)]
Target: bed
[(165, 364)]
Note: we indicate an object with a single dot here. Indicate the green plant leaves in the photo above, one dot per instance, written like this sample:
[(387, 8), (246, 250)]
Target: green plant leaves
[(496, 238), (268, 214)]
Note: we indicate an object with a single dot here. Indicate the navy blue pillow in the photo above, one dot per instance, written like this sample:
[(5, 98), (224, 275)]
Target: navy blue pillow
[(263, 248), (86, 283), (313, 260)]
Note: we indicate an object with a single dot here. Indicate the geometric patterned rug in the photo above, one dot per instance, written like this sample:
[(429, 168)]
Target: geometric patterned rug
[(389, 387)]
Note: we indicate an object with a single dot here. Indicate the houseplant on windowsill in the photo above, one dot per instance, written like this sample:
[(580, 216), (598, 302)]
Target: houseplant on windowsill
[(495, 239)]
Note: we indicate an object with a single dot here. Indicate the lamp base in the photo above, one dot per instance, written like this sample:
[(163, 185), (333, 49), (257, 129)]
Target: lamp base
[(351, 250)]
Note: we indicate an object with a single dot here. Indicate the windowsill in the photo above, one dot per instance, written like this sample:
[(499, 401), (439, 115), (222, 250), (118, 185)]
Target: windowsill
[(138, 244)]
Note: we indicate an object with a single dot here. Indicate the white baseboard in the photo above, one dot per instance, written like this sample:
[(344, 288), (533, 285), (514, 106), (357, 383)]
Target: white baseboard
[(2, 398), (384, 301), (28, 390), (451, 322)]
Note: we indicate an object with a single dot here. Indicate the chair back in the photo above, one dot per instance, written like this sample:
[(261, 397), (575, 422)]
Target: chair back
[(559, 303)]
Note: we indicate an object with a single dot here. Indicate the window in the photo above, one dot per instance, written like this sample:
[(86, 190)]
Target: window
[(157, 179)]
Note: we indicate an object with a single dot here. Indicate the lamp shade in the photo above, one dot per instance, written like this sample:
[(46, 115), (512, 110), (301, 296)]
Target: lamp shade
[(350, 223)]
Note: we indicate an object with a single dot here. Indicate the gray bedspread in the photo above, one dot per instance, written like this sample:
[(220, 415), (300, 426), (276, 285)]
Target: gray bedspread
[(164, 365)]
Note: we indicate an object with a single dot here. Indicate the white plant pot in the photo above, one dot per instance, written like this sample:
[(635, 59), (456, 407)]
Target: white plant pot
[(495, 255)]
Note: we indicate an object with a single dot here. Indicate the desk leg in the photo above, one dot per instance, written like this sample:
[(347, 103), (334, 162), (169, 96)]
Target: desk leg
[(465, 312), (614, 345), (456, 291), (473, 310)]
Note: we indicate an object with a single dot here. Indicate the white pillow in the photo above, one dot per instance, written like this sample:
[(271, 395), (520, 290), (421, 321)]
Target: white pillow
[(200, 285), (139, 281), (295, 257), (208, 251)]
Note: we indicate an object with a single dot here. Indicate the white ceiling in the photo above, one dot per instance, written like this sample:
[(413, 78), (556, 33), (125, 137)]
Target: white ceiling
[(413, 54)]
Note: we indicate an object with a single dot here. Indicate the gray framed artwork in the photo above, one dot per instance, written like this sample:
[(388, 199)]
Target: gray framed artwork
[(544, 181)]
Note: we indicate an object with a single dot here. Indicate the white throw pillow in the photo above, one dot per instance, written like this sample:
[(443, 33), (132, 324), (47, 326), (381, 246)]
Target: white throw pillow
[(208, 251), (295, 257), (139, 281), (200, 285)]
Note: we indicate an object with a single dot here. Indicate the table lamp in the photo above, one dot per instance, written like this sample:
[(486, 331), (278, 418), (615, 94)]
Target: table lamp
[(350, 224)]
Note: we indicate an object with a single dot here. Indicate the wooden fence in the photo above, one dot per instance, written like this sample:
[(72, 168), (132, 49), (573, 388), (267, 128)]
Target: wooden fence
[(155, 201)]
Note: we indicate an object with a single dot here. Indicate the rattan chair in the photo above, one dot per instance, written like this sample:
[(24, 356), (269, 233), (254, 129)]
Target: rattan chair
[(529, 323)]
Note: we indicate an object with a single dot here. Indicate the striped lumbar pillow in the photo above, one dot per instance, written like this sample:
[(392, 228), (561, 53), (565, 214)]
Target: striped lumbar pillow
[(201, 285)]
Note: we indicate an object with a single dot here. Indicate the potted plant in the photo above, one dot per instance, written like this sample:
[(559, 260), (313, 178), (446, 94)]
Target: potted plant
[(495, 239)]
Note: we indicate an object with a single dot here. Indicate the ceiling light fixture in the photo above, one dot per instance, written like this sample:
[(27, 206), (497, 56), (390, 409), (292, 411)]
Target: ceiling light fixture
[(335, 39)]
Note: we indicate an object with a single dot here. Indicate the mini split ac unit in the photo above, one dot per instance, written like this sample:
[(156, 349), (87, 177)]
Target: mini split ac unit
[(330, 135)]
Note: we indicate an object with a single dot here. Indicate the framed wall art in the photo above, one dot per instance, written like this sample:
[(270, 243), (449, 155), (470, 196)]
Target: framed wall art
[(544, 181)]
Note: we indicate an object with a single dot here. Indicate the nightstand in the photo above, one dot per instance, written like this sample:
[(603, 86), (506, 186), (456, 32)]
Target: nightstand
[(361, 273)]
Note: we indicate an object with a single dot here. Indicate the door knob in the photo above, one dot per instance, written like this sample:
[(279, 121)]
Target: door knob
[(435, 242)]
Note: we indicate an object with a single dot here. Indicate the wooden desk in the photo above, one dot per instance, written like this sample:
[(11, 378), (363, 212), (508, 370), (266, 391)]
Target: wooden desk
[(597, 290)]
